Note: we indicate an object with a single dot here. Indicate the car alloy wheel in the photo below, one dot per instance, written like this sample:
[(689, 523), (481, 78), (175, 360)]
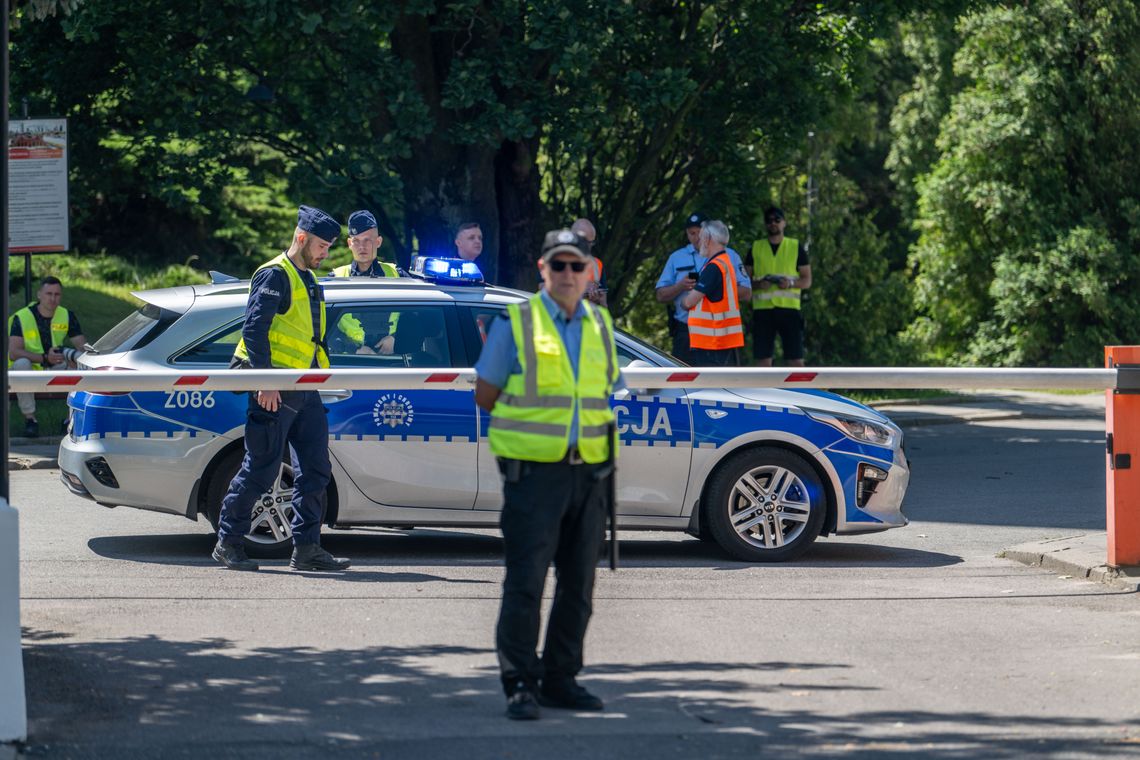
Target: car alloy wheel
[(765, 505)]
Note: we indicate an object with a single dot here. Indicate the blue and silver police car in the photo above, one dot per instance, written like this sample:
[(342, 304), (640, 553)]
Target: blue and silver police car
[(760, 472)]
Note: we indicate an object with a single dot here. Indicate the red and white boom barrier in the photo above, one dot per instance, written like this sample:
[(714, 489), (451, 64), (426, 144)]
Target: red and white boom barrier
[(635, 377), (1120, 379)]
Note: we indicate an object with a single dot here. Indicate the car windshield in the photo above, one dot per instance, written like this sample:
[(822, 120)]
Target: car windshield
[(653, 354)]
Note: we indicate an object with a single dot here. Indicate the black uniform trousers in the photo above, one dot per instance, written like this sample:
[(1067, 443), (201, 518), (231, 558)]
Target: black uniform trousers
[(680, 335), (300, 422), (552, 512)]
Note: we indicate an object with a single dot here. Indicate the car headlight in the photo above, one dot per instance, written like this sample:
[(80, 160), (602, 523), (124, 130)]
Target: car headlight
[(865, 431)]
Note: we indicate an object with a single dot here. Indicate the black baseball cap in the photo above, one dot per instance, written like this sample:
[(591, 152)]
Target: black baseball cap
[(773, 211), (564, 241), (695, 219)]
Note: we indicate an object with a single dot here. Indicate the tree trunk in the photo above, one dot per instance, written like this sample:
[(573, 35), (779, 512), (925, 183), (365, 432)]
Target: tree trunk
[(521, 215)]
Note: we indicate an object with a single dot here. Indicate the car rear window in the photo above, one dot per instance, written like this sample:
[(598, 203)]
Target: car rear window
[(135, 331), (217, 348)]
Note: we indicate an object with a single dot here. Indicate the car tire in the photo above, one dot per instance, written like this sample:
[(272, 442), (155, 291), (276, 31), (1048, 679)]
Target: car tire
[(271, 535), (765, 505)]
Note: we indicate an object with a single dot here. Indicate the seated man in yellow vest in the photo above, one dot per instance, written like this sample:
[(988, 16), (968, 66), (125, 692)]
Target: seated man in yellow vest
[(780, 272), (28, 350)]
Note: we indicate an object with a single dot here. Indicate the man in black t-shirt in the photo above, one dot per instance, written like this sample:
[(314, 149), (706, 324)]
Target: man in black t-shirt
[(780, 271), (36, 335)]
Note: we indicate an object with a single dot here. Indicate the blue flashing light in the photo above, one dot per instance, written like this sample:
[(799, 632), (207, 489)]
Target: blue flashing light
[(447, 270)]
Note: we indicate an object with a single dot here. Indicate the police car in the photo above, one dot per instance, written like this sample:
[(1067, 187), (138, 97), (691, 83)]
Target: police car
[(760, 472)]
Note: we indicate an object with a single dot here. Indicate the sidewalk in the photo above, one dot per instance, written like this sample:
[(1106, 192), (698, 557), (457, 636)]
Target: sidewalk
[(33, 453), (1081, 556)]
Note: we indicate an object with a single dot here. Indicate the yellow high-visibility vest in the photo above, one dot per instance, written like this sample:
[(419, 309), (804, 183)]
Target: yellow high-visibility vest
[(782, 262), (532, 416), (346, 270), (291, 339), (33, 343)]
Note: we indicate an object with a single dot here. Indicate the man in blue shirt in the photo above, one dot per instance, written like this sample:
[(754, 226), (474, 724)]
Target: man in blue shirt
[(553, 511), (680, 275)]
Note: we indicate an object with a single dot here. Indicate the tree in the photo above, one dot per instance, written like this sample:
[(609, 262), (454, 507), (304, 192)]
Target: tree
[(1028, 218), (518, 115)]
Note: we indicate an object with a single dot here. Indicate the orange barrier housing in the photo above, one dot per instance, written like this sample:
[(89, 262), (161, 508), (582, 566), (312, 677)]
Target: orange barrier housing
[(1122, 476)]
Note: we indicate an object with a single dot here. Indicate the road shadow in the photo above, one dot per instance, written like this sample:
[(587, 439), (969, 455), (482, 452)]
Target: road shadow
[(429, 547), (151, 697), (1050, 475)]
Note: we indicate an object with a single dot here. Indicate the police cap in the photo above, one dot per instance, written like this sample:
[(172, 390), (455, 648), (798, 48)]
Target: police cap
[(695, 219), (319, 223), (360, 221)]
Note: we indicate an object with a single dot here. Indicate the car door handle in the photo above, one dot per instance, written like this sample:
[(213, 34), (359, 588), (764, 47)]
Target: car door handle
[(333, 396)]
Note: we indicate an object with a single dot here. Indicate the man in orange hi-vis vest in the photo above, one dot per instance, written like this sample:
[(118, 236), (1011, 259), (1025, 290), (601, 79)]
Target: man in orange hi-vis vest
[(596, 290), (715, 329)]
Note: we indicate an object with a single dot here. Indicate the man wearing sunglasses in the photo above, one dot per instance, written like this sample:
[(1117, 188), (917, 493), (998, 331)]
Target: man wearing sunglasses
[(780, 271), (546, 375)]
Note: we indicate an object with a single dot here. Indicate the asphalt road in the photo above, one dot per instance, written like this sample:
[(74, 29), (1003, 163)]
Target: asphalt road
[(916, 641)]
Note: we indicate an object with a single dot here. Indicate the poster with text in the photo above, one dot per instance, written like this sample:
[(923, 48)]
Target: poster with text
[(37, 186)]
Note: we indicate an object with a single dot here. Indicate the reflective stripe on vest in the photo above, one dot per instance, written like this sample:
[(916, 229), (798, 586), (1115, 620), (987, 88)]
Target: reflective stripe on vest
[(533, 415), (782, 262), (717, 326), (346, 270), (291, 337), (33, 344)]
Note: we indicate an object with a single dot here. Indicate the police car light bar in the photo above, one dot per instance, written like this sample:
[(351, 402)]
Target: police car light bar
[(443, 378), (445, 270)]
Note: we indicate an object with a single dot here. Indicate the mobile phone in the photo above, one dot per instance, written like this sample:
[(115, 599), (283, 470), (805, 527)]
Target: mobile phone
[(694, 276)]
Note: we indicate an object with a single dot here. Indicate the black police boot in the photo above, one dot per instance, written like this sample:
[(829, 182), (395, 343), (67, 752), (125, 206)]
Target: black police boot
[(567, 694), (521, 704), (313, 557), (31, 429), (233, 556)]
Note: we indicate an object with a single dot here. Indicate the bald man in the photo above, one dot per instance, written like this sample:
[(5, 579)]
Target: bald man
[(596, 290)]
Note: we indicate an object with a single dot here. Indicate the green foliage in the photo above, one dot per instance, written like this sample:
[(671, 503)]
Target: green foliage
[(1027, 246), (98, 288)]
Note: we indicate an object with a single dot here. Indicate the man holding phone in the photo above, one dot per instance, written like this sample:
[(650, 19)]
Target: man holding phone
[(680, 275), (780, 272)]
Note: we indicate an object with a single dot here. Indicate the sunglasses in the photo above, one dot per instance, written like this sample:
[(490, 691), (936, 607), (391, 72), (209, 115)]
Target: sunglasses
[(773, 220), (558, 265)]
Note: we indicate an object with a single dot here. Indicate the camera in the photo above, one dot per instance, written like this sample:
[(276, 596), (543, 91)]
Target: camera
[(71, 355)]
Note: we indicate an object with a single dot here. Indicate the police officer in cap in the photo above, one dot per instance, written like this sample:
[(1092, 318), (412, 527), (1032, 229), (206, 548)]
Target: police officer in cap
[(284, 327), (364, 241), (546, 375)]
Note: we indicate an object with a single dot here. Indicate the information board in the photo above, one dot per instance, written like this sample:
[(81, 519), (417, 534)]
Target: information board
[(37, 186)]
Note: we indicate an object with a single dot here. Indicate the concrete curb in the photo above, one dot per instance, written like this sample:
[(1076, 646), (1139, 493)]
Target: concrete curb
[(18, 462), (1081, 556)]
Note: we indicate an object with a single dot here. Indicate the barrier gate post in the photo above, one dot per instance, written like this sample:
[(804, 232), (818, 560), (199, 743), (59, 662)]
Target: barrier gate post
[(1122, 475)]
